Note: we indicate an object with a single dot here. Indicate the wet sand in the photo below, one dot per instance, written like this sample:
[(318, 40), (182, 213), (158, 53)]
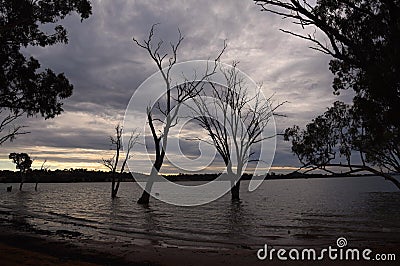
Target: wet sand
[(30, 248), (11, 255)]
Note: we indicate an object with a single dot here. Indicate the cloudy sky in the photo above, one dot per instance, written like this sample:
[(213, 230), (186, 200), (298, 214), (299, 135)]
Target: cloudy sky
[(106, 68)]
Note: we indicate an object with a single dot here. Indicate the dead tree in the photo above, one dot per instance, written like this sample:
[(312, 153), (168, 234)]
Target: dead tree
[(235, 121), (113, 163), (42, 169), (175, 95)]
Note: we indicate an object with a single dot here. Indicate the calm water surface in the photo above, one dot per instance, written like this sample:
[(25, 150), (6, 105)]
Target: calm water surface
[(280, 212)]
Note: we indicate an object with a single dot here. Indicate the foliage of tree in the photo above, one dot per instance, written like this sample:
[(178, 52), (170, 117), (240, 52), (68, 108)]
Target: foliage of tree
[(113, 163), (23, 162), (337, 140), (363, 38), (25, 88)]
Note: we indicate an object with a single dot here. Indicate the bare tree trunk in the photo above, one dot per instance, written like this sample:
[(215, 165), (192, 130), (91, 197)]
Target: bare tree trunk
[(235, 191), (112, 163), (117, 186), (42, 168), (22, 182), (145, 198), (115, 189), (235, 183), (37, 181), (113, 186)]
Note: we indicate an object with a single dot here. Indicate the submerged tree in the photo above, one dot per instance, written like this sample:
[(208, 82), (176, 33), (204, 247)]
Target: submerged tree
[(337, 140), (363, 38), (25, 88), (175, 95), (113, 163), (42, 169), (23, 162), (235, 122)]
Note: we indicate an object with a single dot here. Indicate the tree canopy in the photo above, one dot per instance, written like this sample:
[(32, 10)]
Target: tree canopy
[(23, 161), (363, 38), (338, 139), (175, 96), (235, 118), (24, 86)]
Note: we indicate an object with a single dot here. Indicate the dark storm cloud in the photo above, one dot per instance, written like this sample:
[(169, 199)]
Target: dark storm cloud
[(106, 67)]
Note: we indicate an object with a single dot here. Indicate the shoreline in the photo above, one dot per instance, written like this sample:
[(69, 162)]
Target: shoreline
[(26, 248), (32, 248), (37, 248)]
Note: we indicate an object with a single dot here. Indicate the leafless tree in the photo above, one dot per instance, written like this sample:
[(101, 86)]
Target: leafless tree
[(235, 121), (42, 168), (8, 130), (113, 163), (176, 94)]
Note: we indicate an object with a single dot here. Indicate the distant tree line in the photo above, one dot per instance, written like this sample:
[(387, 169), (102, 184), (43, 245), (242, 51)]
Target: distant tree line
[(62, 176)]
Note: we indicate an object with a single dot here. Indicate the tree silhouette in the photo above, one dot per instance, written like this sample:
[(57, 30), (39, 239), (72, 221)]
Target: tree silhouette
[(235, 122), (42, 169), (113, 163), (175, 96), (333, 139), (23, 162), (25, 89), (363, 38)]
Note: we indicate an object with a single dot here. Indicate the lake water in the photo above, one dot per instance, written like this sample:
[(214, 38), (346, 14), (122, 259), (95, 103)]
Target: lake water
[(300, 212)]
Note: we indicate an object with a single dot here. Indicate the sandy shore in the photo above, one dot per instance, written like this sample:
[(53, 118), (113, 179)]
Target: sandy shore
[(29, 248)]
